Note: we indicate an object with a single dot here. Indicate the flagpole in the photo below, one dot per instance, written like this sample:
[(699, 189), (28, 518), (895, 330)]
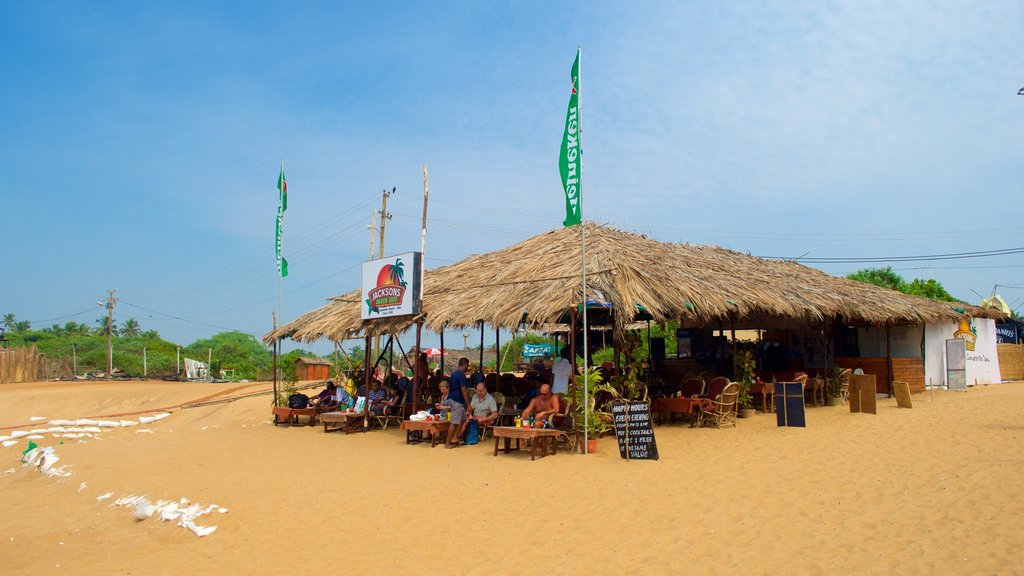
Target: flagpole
[(280, 277), (583, 263)]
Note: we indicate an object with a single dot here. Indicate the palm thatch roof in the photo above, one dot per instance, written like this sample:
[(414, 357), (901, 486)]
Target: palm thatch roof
[(540, 277)]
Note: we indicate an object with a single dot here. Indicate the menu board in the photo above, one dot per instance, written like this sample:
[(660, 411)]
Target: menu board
[(633, 430)]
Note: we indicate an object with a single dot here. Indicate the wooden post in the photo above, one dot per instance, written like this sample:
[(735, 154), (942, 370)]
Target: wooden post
[(366, 384), (497, 350), (415, 370), (442, 351), (888, 357), (481, 347), (732, 331)]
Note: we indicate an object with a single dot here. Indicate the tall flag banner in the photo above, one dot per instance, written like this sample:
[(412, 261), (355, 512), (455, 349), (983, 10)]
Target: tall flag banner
[(282, 194), (569, 160)]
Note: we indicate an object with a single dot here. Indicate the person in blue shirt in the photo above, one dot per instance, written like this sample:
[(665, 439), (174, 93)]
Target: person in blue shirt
[(459, 385)]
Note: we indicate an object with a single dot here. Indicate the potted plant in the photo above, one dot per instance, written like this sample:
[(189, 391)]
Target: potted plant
[(834, 386), (596, 422), (745, 377)]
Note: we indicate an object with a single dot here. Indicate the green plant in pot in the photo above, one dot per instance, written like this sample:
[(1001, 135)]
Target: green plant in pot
[(745, 377), (834, 386), (588, 418)]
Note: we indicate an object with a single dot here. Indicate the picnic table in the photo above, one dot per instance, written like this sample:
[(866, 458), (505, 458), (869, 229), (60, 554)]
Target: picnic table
[(437, 429), (543, 439), (286, 415), (345, 421)]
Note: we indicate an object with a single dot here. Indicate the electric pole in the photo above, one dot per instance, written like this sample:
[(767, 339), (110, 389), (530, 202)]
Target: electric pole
[(110, 331), (372, 227), (384, 217)]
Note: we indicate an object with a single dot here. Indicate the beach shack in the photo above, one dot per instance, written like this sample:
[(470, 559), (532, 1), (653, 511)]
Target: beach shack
[(307, 368)]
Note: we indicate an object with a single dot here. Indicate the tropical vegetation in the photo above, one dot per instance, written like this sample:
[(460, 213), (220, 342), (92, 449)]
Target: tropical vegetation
[(887, 278)]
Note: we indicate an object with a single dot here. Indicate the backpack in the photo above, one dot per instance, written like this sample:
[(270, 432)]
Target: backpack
[(298, 401)]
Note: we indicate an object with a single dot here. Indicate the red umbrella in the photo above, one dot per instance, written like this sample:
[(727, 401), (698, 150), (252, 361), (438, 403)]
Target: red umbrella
[(434, 352)]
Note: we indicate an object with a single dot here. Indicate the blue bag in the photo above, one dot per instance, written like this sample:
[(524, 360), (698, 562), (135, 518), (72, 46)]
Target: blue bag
[(472, 436)]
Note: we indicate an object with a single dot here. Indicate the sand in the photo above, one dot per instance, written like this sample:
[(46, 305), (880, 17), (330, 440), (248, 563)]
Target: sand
[(931, 490)]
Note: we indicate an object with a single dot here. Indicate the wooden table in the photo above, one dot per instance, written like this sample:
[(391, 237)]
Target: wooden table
[(679, 406), (437, 429), (543, 439), (284, 414), (345, 421)]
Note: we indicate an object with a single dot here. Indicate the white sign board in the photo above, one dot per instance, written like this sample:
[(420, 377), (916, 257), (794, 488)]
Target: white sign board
[(391, 286)]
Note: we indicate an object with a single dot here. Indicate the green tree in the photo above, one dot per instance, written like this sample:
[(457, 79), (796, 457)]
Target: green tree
[(929, 289), (130, 329), (22, 326), (884, 277), (243, 353), (102, 330), (9, 321)]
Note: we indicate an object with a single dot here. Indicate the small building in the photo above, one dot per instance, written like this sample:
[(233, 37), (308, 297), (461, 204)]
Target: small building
[(307, 368)]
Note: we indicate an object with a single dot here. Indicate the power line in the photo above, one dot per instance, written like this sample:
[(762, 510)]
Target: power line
[(185, 319), (950, 256)]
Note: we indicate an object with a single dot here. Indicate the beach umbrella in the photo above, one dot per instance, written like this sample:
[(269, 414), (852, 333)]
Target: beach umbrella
[(434, 352)]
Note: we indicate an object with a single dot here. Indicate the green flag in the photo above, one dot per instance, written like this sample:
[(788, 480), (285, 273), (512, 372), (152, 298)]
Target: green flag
[(282, 195), (569, 160)]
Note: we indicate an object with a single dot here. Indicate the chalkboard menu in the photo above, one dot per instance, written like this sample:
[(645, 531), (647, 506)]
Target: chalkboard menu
[(633, 430)]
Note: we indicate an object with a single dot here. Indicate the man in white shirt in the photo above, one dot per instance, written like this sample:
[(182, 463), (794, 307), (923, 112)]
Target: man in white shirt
[(561, 371)]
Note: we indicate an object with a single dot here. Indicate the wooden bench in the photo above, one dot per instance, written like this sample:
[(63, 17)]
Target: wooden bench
[(286, 415)]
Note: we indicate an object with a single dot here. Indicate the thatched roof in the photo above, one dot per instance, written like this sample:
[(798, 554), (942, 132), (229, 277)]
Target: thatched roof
[(541, 276)]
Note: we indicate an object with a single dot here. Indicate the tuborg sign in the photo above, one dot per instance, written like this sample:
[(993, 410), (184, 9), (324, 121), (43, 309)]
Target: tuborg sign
[(391, 286)]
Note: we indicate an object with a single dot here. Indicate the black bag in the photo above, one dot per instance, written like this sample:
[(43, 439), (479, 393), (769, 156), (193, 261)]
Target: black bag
[(298, 401)]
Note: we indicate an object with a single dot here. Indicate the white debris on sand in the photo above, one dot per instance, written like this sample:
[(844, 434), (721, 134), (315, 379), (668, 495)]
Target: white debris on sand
[(36, 418), (9, 443), (44, 459), (104, 496), (127, 423), (143, 431), (182, 510)]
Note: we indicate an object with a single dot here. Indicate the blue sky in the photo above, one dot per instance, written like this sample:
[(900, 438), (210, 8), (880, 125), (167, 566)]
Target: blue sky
[(141, 144)]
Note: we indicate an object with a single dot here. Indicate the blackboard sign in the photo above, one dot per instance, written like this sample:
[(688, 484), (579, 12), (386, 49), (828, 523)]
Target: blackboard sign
[(633, 430)]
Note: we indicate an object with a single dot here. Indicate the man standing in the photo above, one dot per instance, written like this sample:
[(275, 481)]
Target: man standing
[(459, 384), (561, 371)]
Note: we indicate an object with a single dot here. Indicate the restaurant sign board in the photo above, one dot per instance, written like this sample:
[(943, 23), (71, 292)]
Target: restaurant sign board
[(1006, 333), (633, 430), (391, 286)]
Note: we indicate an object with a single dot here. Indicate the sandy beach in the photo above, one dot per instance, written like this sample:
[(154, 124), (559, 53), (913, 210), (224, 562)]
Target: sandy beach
[(931, 490)]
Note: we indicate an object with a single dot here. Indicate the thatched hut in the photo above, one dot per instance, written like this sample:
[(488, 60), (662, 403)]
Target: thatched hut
[(538, 281)]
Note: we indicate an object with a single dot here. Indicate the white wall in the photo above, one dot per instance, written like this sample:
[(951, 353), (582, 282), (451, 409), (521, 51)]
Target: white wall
[(982, 362)]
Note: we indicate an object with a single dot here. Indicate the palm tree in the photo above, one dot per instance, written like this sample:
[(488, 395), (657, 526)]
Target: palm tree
[(130, 328), (102, 321), (22, 326), (9, 321)]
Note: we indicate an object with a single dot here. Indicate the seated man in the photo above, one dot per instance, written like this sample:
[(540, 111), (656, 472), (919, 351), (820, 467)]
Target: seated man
[(325, 401), (378, 398), (342, 399), (483, 409), (458, 416), (543, 406)]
